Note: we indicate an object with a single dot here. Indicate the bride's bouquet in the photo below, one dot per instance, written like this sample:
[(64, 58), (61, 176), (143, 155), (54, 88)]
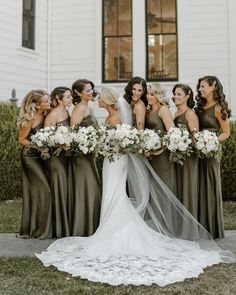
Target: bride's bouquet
[(127, 138), (107, 145), (178, 141), (149, 141), (83, 139), (207, 144), (43, 139)]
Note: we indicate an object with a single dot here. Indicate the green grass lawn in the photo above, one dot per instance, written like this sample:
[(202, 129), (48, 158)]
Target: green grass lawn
[(27, 275)]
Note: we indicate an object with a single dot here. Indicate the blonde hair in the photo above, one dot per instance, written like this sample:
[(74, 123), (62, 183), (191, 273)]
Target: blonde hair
[(160, 92), (109, 96), (29, 105)]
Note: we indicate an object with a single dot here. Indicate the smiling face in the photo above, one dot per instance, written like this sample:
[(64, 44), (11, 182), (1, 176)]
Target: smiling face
[(87, 92), (137, 91), (67, 98), (205, 89), (44, 103), (151, 97), (180, 98)]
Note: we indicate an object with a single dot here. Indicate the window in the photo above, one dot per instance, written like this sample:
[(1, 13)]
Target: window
[(161, 32), (28, 24), (117, 40)]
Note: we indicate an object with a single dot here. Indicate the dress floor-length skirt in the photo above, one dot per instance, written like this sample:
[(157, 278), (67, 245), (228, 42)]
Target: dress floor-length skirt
[(57, 167), (85, 195), (165, 170), (210, 197), (187, 184), (37, 199), (124, 249)]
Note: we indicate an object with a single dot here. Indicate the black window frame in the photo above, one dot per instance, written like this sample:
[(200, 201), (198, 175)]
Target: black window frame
[(163, 79), (115, 36), (29, 16)]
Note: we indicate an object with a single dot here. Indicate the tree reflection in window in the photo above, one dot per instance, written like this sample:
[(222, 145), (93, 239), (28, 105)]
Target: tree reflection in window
[(117, 40), (161, 28)]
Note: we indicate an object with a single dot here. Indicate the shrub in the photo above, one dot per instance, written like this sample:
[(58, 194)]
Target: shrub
[(10, 166), (228, 165)]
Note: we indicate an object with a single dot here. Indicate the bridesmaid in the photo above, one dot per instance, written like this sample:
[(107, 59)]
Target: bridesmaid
[(187, 174), (37, 199), (85, 188), (57, 166), (160, 118), (213, 113), (135, 95)]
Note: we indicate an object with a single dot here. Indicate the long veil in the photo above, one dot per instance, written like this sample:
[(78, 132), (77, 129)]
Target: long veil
[(158, 206)]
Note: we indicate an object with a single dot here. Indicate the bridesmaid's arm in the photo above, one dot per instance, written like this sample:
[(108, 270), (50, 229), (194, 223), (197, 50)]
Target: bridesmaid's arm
[(77, 115), (193, 123), (224, 125), (140, 113), (166, 117), (23, 134)]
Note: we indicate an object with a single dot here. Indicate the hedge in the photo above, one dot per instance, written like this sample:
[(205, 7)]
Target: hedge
[(10, 166)]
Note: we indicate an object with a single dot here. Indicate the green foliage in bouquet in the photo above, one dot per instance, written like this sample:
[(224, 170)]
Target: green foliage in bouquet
[(10, 166), (228, 165)]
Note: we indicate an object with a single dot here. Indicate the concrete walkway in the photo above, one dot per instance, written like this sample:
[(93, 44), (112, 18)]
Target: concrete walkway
[(11, 246)]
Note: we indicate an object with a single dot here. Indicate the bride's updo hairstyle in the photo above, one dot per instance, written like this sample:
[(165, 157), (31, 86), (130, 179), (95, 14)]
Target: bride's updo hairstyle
[(58, 94), (77, 87), (160, 93), (29, 105), (110, 97)]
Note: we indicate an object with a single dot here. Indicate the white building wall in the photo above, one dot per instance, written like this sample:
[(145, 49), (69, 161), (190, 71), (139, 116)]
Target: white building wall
[(21, 68)]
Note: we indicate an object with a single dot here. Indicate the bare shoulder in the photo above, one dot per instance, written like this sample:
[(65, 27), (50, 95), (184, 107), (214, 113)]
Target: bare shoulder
[(191, 113), (164, 110)]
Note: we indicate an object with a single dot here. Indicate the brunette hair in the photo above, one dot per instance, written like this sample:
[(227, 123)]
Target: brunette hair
[(188, 91), (128, 89), (77, 87), (218, 95), (58, 94)]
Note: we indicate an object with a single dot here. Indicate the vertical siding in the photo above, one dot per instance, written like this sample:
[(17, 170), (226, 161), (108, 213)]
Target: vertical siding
[(20, 68)]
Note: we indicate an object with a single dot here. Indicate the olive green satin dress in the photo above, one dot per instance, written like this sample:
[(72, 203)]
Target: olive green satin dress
[(57, 167), (160, 163), (187, 176), (210, 193), (37, 199), (84, 191)]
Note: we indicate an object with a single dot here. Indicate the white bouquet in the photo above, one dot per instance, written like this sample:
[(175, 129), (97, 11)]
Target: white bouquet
[(107, 145), (61, 137), (44, 139), (149, 141), (207, 144), (178, 141), (127, 138), (84, 139)]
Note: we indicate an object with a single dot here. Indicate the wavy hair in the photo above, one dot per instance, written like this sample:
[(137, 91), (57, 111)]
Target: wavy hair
[(160, 92), (77, 87), (58, 94), (188, 91), (29, 105), (218, 95), (128, 89)]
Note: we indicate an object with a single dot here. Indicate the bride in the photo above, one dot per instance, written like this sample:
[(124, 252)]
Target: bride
[(133, 243)]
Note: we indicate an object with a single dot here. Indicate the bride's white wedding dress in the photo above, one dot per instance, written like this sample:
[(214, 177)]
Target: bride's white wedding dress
[(124, 249), (135, 242)]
